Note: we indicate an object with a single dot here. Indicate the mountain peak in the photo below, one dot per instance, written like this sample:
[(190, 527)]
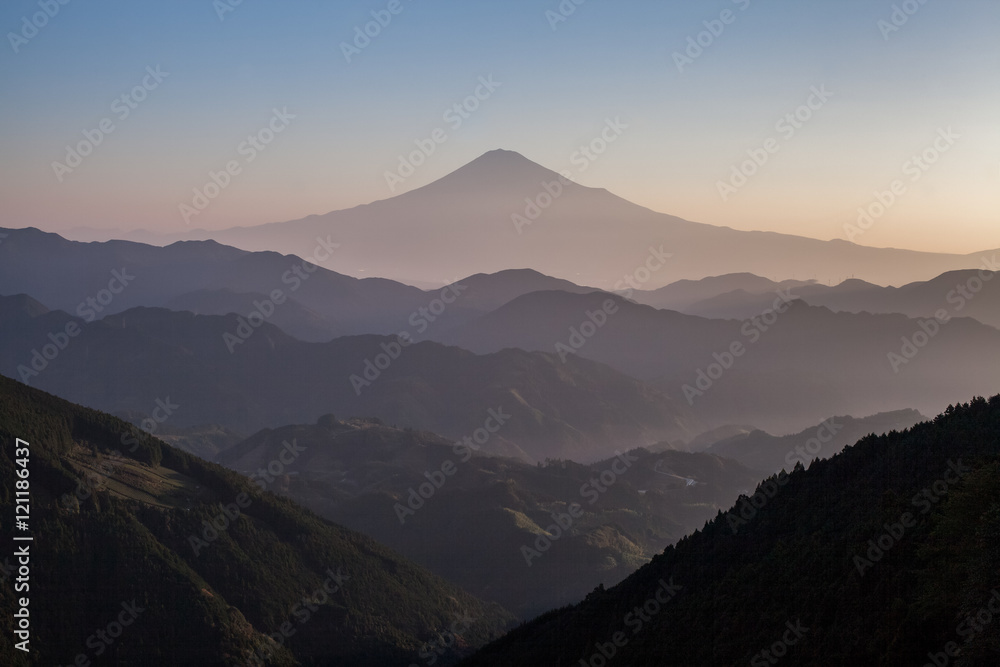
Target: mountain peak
[(501, 153), (494, 171), (502, 158)]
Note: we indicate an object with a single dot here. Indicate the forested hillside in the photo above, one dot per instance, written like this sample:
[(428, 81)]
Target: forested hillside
[(206, 567), (886, 554)]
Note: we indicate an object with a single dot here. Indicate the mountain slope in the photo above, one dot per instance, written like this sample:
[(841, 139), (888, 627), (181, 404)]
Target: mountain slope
[(486, 292), (125, 363), (480, 512), (683, 294), (804, 574), (313, 303), (92, 280), (467, 222), (762, 451), (970, 293), (794, 363), (119, 522), (291, 317)]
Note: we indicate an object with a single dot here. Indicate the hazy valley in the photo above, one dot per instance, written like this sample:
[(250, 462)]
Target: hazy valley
[(560, 334)]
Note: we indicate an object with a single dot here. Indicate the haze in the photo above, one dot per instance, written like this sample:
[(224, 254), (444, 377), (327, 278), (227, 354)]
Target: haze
[(555, 85)]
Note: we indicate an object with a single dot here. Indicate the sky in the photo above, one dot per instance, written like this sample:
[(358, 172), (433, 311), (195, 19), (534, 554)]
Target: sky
[(788, 116)]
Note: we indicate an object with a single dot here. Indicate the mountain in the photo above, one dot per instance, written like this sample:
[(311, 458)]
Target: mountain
[(469, 518), (683, 294), (20, 306), (970, 293), (204, 441), (736, 305), (886, 554), (791, 369), (200, 565), (92, 280), (219, 371), (762, 451), (291, 317), (485, 292), (706, 439), (312, 303), (639, 340), (502, 210)]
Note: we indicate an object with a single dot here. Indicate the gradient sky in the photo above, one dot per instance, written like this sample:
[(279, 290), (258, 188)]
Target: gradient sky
[(686, 130)]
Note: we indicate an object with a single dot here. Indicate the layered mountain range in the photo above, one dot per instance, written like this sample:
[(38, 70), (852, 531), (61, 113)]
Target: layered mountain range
[(504, 211), (200, 565), (572, 416)]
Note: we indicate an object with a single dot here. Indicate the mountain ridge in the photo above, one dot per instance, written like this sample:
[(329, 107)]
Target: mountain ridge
[(401, 237), (844, 549), (210, 564)]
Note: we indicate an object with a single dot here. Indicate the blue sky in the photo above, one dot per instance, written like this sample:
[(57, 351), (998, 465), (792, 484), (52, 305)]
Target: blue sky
[(686, 129)]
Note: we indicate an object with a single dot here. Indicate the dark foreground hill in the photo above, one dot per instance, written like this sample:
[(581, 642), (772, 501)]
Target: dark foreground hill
[(476, 520), (125, 568), (886, 554)]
